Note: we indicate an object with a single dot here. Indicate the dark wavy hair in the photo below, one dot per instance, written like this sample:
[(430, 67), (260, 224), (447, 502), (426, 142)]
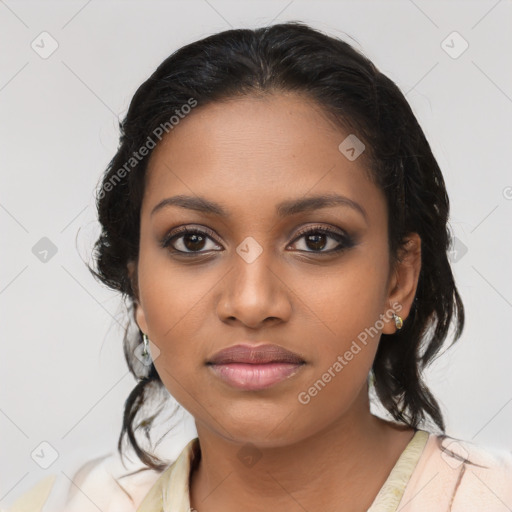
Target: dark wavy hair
[(292, 57)]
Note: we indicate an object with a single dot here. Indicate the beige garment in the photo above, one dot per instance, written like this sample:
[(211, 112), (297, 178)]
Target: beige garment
[(459, 476), (100, 485), (433, 474), (171, 493)]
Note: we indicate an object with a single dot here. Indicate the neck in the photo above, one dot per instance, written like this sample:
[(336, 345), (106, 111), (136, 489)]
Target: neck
[(346, 463)]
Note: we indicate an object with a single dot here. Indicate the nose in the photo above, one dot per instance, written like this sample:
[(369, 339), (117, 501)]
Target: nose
[(254, 294)]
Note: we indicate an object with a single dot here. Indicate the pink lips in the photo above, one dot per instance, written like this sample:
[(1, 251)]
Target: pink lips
[(255, 367)]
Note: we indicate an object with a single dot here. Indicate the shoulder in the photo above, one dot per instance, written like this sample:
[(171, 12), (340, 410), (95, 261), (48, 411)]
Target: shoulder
[(108, 485), (485, 474), (462, 475), (35, 498)]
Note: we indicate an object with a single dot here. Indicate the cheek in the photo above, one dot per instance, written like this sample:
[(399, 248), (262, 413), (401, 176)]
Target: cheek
[(176, 302), (343, 361), (348, 324), (171, 292), (173, 311), (347, 298)]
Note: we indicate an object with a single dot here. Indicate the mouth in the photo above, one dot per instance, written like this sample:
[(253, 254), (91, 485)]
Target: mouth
[(252, 368)]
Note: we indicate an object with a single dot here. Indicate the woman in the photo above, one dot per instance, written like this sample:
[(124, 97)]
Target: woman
[(277, 220)]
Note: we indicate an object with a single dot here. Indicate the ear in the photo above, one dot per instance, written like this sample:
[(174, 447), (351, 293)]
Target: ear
[(403, 281), (138, 313)]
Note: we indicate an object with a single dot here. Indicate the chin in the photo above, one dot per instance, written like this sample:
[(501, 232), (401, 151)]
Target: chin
[(266, 428)]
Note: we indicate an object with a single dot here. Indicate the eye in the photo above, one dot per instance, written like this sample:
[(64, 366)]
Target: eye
[(189, 240), (318, 238), (186, 240)]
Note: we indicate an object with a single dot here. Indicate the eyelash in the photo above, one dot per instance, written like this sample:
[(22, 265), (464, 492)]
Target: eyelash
[(343, 239)]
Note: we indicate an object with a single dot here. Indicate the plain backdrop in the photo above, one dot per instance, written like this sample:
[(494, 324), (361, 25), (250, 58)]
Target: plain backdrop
[(64, 379)]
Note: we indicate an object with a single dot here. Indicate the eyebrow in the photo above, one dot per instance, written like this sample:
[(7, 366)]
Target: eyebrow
[(284, 209)]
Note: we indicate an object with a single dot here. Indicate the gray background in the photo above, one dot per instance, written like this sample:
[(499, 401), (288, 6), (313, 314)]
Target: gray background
[(64, 380)]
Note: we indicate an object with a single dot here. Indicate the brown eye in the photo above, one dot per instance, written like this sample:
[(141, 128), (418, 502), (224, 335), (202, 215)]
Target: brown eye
[(193, 241), (318, 239), (189, 241)]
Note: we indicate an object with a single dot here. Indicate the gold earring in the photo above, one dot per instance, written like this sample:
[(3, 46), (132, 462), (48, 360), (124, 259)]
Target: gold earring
[(399, 323)]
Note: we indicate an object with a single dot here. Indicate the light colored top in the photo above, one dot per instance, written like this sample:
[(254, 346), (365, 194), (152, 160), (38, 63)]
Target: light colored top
[(433, 474)]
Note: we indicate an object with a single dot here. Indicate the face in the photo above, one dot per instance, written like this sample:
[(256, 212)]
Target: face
[(313, 281)]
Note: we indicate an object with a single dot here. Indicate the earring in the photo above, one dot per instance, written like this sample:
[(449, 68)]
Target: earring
[(145, 351), (399, 323)]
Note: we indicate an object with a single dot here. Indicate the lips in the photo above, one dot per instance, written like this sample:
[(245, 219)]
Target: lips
[(251, 368), (261, 354)]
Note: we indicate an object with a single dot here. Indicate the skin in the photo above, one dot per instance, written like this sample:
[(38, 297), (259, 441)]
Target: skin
[(249, 154)]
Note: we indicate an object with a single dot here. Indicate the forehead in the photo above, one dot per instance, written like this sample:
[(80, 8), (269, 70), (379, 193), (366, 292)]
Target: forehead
[(256, 149), (274, 119)]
